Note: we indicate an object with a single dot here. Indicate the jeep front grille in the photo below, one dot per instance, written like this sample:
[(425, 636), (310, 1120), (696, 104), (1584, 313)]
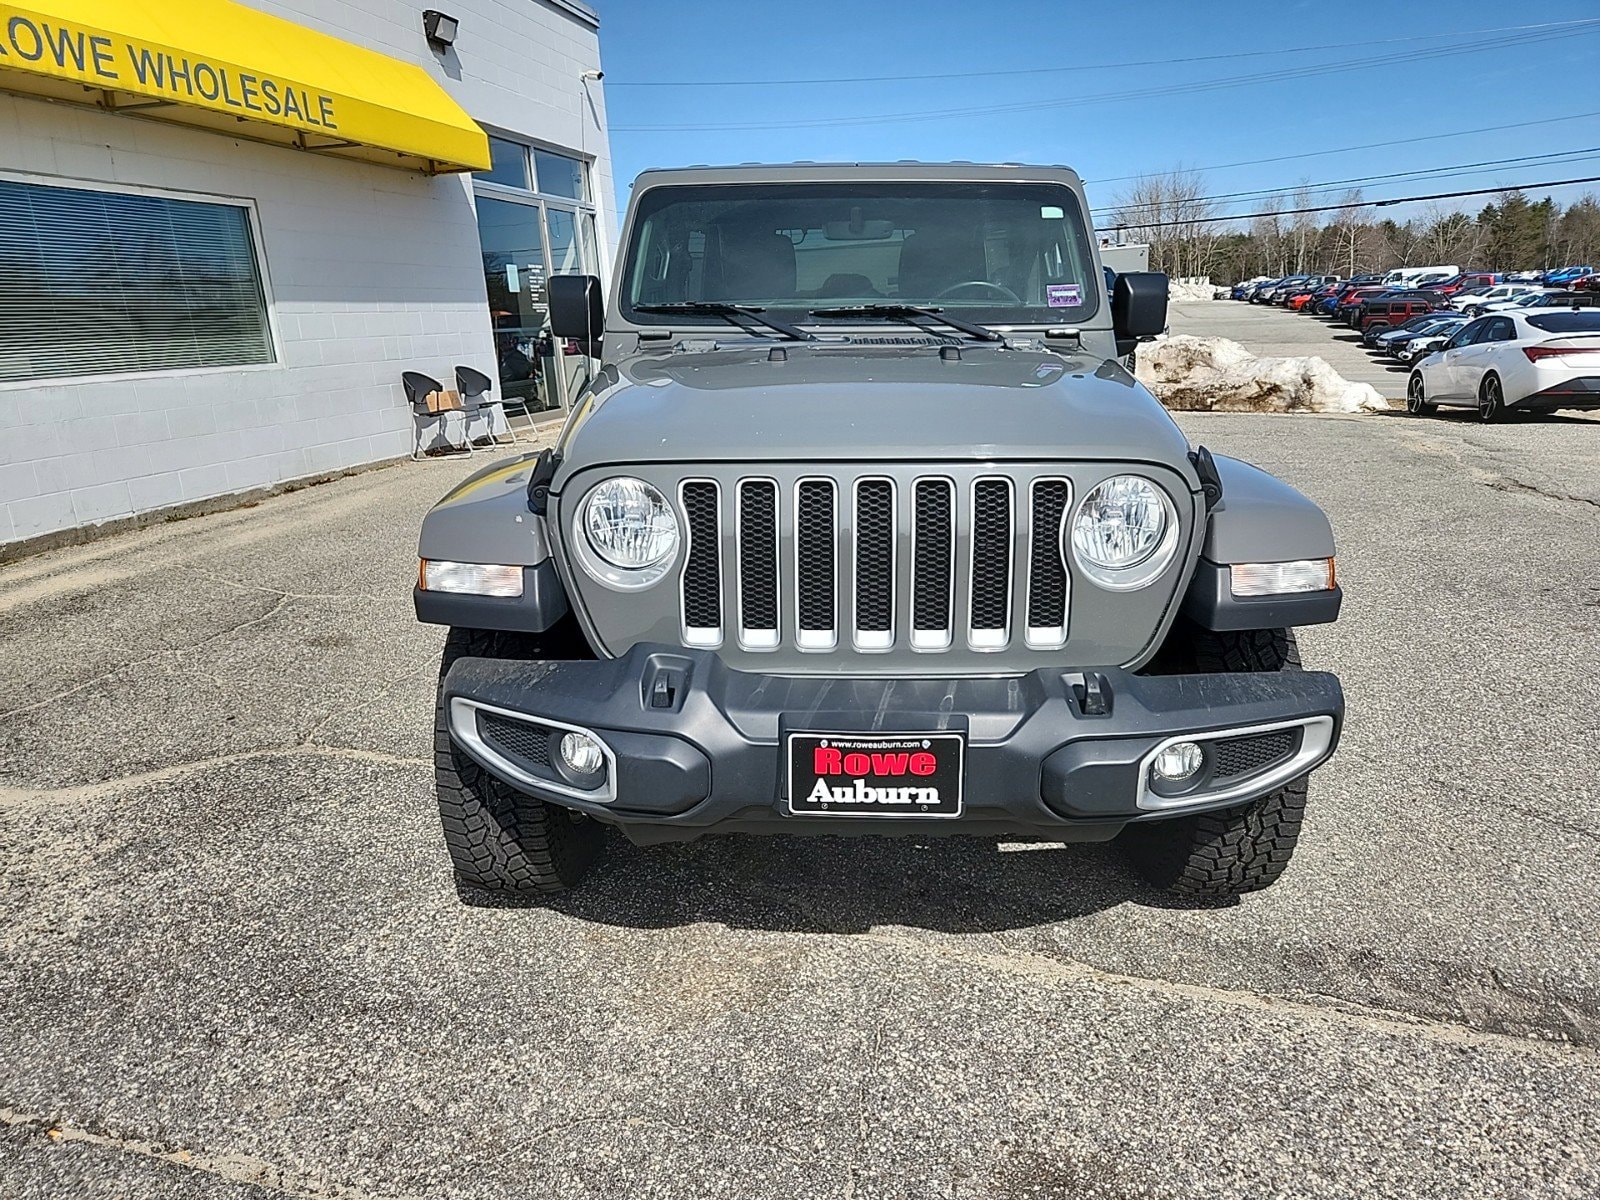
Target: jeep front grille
[(819, 564)]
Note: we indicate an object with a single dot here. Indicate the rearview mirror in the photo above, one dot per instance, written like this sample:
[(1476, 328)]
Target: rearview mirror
[(1138, 307), (577, 310)]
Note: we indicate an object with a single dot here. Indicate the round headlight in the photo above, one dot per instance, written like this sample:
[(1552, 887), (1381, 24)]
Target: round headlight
[(1124, 533), (629, 525)]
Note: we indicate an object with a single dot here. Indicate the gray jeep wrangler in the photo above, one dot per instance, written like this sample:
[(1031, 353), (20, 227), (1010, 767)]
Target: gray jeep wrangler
[(860, 527)]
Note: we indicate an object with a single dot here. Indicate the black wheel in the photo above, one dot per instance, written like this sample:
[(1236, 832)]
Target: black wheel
[(1229, 852), (501, 840), (1416, 402), (1491, 400)]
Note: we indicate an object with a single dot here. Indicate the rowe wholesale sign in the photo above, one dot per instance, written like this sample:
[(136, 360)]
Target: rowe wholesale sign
[(117, 61), (231, 68)]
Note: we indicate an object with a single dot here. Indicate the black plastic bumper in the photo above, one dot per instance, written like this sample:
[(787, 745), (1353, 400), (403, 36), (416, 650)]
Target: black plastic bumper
[(694, 747), (1583, 392)]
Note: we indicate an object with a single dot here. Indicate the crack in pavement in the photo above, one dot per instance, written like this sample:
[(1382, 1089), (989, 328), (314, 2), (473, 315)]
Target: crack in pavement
[(239, 585), (154, 656), (1505, 483), (1494, 473), (242, 1169), (1308, 1007), (16, 796)]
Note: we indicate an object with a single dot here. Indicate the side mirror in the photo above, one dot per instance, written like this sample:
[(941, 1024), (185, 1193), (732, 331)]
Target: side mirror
[(1138, 307), (577, 310)]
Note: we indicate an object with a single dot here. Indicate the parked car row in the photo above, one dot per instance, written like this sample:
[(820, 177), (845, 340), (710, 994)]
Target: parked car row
[(1469, 338)]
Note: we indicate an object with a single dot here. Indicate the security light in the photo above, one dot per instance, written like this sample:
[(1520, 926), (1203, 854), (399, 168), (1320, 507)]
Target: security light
[(440, 28)]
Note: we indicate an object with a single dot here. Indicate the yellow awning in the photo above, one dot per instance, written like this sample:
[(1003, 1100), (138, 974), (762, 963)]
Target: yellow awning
[(224, 66)]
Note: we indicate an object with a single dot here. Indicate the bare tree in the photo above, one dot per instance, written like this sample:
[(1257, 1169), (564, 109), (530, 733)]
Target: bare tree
[(1347, 227), (1169, 210)]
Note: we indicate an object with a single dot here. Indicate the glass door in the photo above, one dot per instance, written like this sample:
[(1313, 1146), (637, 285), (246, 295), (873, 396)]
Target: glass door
[(515, 268), (567, 258)]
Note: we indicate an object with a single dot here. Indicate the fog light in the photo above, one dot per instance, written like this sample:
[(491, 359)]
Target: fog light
[(1178, 762), (581, 753)]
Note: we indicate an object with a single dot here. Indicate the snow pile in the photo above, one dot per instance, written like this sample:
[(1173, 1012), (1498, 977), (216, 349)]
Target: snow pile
[(1211, 374), (1188, 289)]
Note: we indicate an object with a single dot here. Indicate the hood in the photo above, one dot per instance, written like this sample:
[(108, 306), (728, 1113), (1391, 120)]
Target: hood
[(830, 403)]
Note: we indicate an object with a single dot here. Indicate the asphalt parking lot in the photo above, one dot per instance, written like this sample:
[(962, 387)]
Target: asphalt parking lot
[(232, 963)]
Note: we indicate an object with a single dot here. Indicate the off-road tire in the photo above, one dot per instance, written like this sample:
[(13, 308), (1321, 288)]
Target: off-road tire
[(502, 841), (1229, 852)]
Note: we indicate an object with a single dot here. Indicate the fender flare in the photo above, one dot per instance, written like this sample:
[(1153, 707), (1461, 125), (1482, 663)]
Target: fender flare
[(486, 519), (1259, 519)]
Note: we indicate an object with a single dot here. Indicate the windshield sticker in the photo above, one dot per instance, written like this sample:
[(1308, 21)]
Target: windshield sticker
[(1063, 295)]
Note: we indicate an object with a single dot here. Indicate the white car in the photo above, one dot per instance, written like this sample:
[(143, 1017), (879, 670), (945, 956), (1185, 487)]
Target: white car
[(1534, 361), (1467, 301), (1515, 299)]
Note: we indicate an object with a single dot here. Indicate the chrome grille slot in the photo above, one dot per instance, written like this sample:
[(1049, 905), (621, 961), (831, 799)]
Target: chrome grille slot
[(931, 568), (758, 564), (816, 562), (933, 576), (875, 537), (702, 567), (990, 575), (1048, 584)]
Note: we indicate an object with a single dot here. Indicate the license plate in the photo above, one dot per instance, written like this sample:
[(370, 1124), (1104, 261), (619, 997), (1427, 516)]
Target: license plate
[(878, 775)]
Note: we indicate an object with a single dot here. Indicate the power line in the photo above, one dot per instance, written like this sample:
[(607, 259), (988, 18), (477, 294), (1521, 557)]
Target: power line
[(1148, 62), (1293, 212), (1122, 96), (1427, 137), (1550, 159)]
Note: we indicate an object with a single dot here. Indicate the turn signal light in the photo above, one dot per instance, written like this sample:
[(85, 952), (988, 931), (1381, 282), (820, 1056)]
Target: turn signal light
[(469, 579), (1283, 578)]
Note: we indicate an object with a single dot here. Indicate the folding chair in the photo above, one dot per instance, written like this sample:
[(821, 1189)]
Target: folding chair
[(418, 388), (474, 386)]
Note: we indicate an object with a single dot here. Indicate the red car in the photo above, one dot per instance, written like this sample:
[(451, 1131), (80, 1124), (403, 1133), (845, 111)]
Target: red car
[(1389, 313), (1460, 283), (1349, 299)]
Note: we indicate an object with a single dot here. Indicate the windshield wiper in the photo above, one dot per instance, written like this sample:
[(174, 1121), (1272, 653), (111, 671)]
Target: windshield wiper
[(908, 313), (717, 308)]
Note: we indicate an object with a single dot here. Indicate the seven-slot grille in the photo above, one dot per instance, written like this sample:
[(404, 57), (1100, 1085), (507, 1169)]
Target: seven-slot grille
[(820, 563)]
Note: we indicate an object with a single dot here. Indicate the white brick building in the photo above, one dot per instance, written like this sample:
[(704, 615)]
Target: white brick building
[(133, 249)]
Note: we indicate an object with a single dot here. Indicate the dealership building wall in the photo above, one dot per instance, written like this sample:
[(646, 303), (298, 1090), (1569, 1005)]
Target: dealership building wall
[(366, 271)]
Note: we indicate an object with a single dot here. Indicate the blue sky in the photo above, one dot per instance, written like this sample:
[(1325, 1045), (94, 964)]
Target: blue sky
[(1405, 71)]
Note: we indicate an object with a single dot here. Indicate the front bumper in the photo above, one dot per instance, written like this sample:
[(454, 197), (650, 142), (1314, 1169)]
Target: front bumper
[(692, 747)]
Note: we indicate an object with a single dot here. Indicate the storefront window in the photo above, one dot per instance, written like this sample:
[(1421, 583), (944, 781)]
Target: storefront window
[(559, 175), (564, 255), (101, 282), (514, 269), (509, 163), (525, 238)]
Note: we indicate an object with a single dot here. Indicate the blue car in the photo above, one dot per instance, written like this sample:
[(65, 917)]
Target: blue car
[(1565, 275)]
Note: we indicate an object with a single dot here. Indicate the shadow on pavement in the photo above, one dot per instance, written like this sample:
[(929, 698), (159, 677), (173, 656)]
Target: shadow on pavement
[(852, 885)]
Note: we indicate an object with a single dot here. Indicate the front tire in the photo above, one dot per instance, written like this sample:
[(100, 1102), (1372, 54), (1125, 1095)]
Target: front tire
[(502, 841), (1219, 855), (1416, 398), (1229, 852)]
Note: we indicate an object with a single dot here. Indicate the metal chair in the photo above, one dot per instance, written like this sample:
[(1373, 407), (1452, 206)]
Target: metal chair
[(474, 386), (418, 388)]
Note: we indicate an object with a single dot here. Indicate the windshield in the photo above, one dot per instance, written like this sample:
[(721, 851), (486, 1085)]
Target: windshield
[(1005, 253)]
